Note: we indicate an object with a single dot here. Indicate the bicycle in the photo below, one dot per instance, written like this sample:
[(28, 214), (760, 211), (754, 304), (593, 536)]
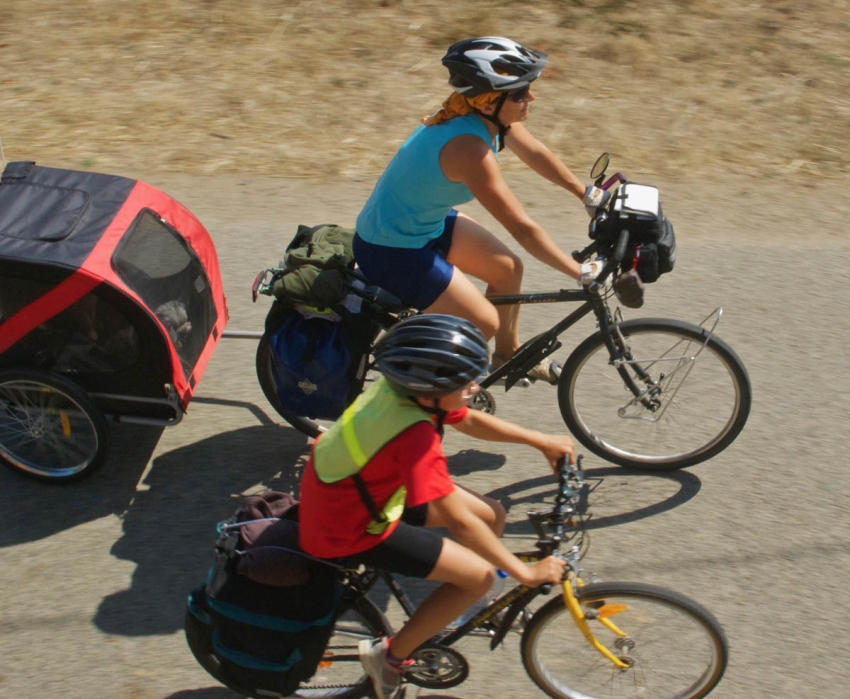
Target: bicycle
[(687, 393), (595, 639)]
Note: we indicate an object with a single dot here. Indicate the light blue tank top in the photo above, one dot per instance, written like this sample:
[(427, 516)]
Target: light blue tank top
[(412, 198)]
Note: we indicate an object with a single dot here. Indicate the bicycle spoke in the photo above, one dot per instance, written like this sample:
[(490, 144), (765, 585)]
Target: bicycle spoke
[(692, 395), (672, 647), (45, 431)]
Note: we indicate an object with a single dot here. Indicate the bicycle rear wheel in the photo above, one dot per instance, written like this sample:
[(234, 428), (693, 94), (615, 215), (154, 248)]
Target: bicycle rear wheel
[(674, 395), (340, 674), (673, 647)]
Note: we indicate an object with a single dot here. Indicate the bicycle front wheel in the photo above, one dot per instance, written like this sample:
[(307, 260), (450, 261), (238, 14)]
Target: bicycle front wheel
[(673, 394), (673, 647)]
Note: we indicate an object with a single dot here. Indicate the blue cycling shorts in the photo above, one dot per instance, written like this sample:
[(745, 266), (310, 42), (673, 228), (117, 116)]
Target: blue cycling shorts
[(417, 276)]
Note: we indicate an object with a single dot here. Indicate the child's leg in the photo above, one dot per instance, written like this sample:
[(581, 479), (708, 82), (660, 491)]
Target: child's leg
[(467, 577), (486, 509), (422, 553)]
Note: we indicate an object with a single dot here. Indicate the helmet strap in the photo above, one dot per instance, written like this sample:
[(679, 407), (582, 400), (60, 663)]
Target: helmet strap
[(435, 410), (494, 117)]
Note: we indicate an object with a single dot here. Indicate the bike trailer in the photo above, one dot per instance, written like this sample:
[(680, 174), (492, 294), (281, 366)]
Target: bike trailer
[(111, 303)]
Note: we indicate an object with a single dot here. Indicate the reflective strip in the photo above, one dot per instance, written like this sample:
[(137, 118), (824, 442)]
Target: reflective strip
[(349, 436), (392, 511)]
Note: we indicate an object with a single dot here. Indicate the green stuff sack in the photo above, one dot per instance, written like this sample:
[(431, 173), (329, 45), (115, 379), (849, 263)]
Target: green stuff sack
[(316, 266)]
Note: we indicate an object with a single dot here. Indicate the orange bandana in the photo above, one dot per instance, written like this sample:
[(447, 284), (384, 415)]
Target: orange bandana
[(458, 105)]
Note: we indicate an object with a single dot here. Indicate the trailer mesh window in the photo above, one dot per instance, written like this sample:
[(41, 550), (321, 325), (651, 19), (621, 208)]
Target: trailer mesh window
[(157, 263)]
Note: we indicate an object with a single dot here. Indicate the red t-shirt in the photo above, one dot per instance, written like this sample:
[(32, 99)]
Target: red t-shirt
[(332, 517)]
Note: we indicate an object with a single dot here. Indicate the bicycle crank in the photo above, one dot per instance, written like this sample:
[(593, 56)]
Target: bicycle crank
[(437, 667), (484, 401)]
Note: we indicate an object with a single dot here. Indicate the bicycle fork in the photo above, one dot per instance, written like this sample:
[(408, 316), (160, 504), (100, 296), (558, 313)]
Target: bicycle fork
[(602, 615)]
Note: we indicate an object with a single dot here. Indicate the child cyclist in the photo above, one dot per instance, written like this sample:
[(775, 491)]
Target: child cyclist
[(377, 480)]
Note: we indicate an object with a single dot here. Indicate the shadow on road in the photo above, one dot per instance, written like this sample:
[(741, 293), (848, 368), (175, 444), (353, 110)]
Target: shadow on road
[(34, 510), (205, 693), (469, 461), (618, 495), (169, 529)]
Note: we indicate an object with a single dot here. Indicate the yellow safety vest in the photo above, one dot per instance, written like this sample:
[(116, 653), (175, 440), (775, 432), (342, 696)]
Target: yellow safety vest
[(371, 422)]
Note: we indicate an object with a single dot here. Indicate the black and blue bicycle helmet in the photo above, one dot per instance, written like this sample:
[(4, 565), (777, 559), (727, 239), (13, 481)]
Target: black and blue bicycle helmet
[(431, 355)]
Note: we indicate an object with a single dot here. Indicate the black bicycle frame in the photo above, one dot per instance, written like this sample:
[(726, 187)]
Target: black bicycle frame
[(515, 601), (544, 344)]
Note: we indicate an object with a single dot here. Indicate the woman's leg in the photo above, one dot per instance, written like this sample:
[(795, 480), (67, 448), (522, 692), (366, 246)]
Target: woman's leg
[(467, 577), (477, 252), (462, 298)]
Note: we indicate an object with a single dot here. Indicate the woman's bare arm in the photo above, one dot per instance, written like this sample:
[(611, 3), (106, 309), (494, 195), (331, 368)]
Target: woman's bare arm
[(540, 159), (469, 160)]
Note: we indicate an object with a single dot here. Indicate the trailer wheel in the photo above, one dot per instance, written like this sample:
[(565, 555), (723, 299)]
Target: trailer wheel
[(50, 429)]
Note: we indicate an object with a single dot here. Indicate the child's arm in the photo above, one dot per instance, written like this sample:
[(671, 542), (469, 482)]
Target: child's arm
[(493, 429)]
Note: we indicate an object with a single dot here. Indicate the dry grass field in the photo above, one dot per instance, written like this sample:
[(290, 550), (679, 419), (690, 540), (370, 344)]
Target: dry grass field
[(329, 88)]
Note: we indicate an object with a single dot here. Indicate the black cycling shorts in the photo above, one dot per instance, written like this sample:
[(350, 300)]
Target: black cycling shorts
[(410, 550)]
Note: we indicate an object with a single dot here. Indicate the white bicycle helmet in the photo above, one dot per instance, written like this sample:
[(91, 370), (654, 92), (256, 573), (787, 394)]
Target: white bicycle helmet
[(492, 64)]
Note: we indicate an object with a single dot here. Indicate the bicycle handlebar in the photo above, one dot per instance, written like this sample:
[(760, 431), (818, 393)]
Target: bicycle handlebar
[(617, 177), (622, 241), (614, 261)]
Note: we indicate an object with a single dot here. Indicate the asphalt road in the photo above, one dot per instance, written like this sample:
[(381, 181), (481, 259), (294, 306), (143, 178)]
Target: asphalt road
[(95, 575)]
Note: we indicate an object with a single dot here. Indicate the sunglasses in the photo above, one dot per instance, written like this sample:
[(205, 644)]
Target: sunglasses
[(519, 95)]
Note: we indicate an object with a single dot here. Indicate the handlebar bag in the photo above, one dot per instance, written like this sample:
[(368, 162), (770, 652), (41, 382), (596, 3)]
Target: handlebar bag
[(262, 639), (652, 240)]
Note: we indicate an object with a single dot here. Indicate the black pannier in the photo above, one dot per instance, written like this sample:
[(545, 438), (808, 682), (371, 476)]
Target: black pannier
[(652, 241), (262, 621)]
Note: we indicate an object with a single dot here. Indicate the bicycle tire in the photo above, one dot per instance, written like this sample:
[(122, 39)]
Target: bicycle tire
[(699, 408), (50, 429), (344, 679), (674, 647)]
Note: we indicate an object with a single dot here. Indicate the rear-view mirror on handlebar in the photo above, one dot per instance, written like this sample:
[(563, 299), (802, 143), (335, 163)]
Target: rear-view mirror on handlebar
[(600, 166)]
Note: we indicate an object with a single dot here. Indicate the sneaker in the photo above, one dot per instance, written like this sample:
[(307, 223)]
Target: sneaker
[(546, 369), (386, 679)]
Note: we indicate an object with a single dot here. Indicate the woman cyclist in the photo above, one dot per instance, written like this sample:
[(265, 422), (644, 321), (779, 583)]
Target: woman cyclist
[(377, 480), (412, 242)]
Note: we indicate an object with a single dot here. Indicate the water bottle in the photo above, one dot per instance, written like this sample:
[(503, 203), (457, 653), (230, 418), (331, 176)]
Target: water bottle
[(485, 600)]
